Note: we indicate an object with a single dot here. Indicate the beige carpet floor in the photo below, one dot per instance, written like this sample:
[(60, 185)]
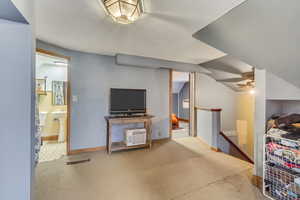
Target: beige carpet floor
[(180, 169)]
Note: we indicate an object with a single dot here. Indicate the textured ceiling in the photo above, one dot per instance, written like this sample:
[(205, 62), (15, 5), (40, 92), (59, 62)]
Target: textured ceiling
[(164, 32)]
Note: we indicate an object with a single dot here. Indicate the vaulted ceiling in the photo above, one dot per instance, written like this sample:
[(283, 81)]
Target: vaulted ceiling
[(264, 34), (164, 32), (228, 67)]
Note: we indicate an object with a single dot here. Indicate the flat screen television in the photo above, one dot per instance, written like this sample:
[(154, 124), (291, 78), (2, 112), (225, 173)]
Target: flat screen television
[(127, 101)]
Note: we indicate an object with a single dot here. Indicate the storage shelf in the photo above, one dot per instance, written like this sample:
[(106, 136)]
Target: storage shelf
[(118, 146), (281, 168), (281, 138)]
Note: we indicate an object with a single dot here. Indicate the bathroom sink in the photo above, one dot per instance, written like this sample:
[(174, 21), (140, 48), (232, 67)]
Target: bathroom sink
[(42, 118)]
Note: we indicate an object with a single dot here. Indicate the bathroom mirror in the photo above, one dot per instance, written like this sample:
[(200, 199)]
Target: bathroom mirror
[(59, 93)]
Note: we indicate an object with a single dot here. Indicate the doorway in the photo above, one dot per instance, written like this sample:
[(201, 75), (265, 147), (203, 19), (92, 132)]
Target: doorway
[(180, 104), (53, 104)]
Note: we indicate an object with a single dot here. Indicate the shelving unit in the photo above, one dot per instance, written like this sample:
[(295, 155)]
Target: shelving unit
[(118, 146), (281, 168)]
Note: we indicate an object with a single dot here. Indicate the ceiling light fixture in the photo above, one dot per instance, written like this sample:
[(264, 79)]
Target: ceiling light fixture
[(124, 11), (252, 91), (61, 63)]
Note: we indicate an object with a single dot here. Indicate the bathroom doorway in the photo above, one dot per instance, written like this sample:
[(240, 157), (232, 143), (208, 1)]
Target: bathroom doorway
[(53, 105)]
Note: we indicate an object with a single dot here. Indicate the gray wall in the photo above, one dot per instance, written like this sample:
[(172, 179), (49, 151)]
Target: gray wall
[(26, 8), (16, 111), (260, 120), (282, 107), (184, 113), (92, 76), (8, 11), (212, 94), (291, 107), (175, 103), (280, 89), (273, 107)]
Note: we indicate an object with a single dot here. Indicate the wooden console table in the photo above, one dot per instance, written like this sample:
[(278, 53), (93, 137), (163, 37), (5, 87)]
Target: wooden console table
[(117, 146)]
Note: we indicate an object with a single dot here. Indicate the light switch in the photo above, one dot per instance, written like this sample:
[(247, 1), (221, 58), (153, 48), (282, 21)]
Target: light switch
[(75, 98)]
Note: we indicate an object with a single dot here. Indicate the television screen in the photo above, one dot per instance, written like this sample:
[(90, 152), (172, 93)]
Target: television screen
[(124, 101)]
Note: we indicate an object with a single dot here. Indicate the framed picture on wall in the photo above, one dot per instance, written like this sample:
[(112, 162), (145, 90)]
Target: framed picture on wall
[(59, 93)]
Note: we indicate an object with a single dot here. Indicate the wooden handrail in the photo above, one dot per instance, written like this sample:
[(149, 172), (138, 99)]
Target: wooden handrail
[(209, 109), (237, 148)]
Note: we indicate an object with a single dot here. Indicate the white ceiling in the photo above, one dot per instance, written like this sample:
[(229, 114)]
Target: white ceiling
[(264, 34), (165, 32), (180, 76)]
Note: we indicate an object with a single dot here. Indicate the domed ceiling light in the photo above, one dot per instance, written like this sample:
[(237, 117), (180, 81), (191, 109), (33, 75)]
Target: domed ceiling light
[(124, 11)]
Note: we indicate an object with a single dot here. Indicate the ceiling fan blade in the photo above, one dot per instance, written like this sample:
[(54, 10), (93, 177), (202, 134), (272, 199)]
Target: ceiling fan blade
[(241, 85), (245, 86), (231, 80), (221, 67)]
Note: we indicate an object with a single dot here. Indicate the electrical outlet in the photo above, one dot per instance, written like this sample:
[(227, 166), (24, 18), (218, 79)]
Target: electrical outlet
[(75, 98)]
